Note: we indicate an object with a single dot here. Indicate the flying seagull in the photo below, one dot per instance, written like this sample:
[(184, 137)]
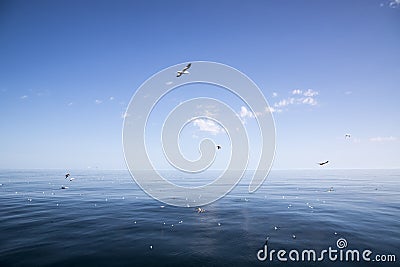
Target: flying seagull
[(323, 163), (67, 175), (200, 210), (184, 70), (219, 147), (347, 136)]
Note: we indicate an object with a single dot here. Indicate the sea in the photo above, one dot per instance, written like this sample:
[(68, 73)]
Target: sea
[(103, 218)]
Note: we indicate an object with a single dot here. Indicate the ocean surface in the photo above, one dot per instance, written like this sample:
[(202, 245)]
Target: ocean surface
[(105, 219)]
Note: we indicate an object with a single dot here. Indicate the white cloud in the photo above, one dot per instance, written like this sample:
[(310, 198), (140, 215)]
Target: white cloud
[(272, 110), (112, 98), (24, 97), (297, 92), (310, 93), (309, 100), (97, 101), (383, 139), (206, 125), (274, 94), (300, 97), (394, 3), (245, 113), (125, 115), (285, 102)]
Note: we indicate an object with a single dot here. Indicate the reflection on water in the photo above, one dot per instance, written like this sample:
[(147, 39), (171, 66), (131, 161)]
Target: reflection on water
[(103, 219)]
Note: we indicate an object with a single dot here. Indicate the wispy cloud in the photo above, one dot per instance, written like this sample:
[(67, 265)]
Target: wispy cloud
[(24, 97), (297, 92), (284, 102), (310, 93), (297, 97), (125, 115), (111, 98), (390, 3), (97, 101), (70, 104), (245, 113), (380, 139), (272, 110), (394, 3), (309, 100), (206, 125)]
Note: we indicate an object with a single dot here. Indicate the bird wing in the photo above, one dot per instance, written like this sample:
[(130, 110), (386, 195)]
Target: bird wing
[(187, 67)]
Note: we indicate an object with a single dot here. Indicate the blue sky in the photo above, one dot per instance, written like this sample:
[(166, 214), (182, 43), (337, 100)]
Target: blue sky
[(69, 68)]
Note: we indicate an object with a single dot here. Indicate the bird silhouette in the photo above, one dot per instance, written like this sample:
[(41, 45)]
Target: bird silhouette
[(184, 70)]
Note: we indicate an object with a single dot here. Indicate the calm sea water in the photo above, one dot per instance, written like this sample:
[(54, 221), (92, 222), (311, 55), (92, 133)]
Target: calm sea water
[(104, 219)]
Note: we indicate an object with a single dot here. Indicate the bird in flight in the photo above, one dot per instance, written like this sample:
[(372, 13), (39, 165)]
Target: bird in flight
[(323, 163), (347, 136), (184, 70), (67, 175), (219, 147)]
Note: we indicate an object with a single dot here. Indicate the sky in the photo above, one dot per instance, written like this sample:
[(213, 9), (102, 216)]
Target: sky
[(68, 70)]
